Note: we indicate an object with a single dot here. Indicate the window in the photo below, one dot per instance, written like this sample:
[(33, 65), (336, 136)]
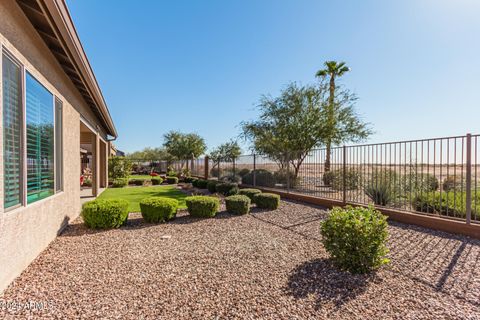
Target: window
[(12, 132), (40, 140), (58, 146)]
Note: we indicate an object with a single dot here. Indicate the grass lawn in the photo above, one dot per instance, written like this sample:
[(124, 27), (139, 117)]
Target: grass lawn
[(135, 194), (140, 176)]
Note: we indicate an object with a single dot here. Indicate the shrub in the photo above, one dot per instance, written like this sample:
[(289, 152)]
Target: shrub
[(446, 203), (105, 213), (202, 206), (227, 188), (119, 167), (172, 180), (189, 179), (267, 200), (158, 209), (238, 204), (282, 177), (216, 172), (382, 187), (243, 172), (202, 184), (87, 183), (231, 178), (336, 180), (355, 238), (120, 183), (137, 182), (263, 178), (249, 192), (417, 182), (157, 181), (211, 185), (453, 183)]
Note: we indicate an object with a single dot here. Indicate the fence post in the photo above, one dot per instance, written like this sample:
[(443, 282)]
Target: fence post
[(206, 167), (468, 182), (288, 173), (344, 174), (254, 170)]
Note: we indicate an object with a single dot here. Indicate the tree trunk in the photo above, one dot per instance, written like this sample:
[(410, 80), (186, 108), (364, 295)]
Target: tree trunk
[(330, 122)]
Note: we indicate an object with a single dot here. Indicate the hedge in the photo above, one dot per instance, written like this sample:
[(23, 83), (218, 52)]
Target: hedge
[(267, 200), (172, 180), (211, 185), (120, 183), (157, 181), (249, 192), (227, 188), (238, 204), (202, 184), (105, 213), (158, 209), (202, 206)]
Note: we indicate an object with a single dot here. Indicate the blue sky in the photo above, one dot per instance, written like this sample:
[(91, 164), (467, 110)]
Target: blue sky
[(201, 66)]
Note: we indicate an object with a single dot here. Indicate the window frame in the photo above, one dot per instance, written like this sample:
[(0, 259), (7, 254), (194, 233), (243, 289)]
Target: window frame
[(23, 134)]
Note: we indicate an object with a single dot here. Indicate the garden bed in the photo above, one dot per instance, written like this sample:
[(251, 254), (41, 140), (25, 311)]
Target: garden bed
[(268, 265)]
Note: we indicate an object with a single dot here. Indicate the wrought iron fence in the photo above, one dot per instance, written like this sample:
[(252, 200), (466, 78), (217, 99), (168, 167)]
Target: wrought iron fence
[(428, 176)]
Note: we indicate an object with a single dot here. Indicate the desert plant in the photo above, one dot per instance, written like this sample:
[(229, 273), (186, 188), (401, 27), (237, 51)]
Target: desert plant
[(336, 180), (157, 181), (243, 172), (120, 183), (356, 238), (249, 192), (172, 180), (158, 209), (227, 188), (202, 184), (238, 204), (446, 203), (453, 183), (105, 213), (382, 187), (202, 206), (267, 200), (283, 176), (263, 178), (211, 185)]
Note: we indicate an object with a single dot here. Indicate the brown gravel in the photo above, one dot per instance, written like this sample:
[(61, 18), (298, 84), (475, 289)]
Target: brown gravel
[(268, 265)]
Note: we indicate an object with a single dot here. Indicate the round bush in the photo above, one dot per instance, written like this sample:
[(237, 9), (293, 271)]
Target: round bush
[(137, 182), (189, 179), (157, 181), (263, 178), (105, 213), (202, 184), (234, 178), (120, 183), (283, 176), (335, 179), (238, 204), (227, 188), (202, 206), (172, 180), (267, 200), (243, 172), (249, 192), (453, 183), (355, 238), (211, 185), (158, 209)]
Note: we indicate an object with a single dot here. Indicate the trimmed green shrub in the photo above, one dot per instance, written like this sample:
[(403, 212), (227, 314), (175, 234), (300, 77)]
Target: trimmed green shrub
[(202, 206), (158, 209), (157, 181), (120, 183), (263, 178), (172, 180), (282, 177), (356, 238), (453, 183), (227, 188), (105, 213), (189, 179), (238, 204), (267, 200), (211, 185), (202, 184), (137, 182), (243, 172), (249, 192)]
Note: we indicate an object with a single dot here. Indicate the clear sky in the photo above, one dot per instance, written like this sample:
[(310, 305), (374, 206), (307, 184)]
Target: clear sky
[(201, 66)]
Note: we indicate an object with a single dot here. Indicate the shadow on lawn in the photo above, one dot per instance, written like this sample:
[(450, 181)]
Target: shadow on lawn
[(326, 282)]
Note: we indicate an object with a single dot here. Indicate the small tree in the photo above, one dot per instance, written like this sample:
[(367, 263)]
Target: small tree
[(228, 152), (150, 154), (119, 168), (184, 146)]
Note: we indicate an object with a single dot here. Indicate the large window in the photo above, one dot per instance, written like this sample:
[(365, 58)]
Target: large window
[(12, 132), (40, 140)]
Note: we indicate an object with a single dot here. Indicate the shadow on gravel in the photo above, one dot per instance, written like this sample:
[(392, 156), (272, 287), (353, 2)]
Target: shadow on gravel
[(328, 284)]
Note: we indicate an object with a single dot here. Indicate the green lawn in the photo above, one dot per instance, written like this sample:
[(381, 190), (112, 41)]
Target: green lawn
[(140, 176), (135, 194)]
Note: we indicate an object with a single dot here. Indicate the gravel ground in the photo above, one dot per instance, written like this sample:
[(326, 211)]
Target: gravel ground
[(268, 265)]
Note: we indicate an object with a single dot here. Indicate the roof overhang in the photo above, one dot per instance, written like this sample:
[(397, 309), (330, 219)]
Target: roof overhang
[(54, 24)]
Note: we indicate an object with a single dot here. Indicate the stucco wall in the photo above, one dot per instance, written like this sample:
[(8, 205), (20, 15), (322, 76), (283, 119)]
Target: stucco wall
[(26, 231)]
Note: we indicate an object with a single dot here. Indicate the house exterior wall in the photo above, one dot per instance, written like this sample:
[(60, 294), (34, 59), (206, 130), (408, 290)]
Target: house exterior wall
[(26, 231)]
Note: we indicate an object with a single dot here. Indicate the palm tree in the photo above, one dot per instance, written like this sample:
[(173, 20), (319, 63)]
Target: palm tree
[(333, 69)]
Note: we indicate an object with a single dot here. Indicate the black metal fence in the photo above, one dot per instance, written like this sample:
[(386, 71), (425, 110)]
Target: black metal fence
[(428, 176)]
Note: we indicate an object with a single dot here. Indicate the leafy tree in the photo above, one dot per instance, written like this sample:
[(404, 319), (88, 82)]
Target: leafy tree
[(228, 152), (289, 126), (119, 168), (341, 122), (150, 154), (184, 146)]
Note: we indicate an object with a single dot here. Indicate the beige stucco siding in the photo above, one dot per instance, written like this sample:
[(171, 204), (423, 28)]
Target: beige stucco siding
[(26, 231)]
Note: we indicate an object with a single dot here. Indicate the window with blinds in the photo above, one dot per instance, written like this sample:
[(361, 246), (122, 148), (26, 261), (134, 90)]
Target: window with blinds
[(40, 140), (12, 132)]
